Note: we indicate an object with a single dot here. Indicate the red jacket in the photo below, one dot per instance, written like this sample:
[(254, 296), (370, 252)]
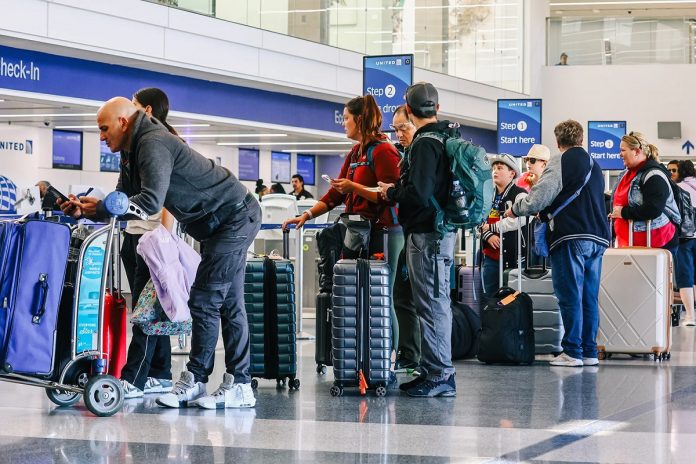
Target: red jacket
[(385, 168)]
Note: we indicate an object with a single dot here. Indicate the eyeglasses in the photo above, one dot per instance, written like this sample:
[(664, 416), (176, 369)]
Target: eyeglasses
[(673, 170), (400, 127)]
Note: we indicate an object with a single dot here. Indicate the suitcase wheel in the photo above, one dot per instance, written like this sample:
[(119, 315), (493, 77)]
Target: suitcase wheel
[(380, 391), (62, 397), (254, 384), (104, 395), (294, 384), (321, 369), (601, 355), (336, 391), (280, 383)]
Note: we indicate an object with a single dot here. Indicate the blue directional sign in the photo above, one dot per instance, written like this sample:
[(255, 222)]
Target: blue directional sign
[(519, 125), (386, 78), (604, 143)]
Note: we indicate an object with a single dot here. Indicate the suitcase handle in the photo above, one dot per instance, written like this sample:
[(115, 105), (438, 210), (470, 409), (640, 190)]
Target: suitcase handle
[(286, 243), (43, 296)]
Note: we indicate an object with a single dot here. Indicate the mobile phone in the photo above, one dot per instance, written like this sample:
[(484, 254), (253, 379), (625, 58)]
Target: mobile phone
[(54, 191), (327, 178)]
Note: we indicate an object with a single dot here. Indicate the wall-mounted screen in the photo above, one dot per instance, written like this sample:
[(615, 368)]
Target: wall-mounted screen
[(306, 168), (108, 162), (280, 167), (67, 150), (248, 168)]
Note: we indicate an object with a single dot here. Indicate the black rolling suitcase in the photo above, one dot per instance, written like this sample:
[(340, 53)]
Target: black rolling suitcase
[(361, 326), (269, 298), (507, 323), (329, 244)]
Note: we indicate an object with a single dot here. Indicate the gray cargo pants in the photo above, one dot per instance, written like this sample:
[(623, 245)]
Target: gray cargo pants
[(217, 297), (429, 261)]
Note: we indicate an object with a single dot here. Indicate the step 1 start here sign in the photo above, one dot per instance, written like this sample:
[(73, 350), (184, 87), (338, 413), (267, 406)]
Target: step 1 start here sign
[(519, 125)]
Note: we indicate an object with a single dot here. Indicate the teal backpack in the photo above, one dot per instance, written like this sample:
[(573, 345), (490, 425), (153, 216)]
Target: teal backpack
[(470, 188)]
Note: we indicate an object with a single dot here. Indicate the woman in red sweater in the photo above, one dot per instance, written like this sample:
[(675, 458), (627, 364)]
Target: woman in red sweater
[(371, 160)]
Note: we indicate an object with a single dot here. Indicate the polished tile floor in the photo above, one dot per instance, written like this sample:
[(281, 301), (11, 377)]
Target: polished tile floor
[(627, 410)]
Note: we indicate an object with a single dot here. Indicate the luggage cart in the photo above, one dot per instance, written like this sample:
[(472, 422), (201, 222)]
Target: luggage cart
[(82, 369)]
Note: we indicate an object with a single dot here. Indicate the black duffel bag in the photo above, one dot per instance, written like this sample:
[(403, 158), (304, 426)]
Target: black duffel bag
[(466, 326)]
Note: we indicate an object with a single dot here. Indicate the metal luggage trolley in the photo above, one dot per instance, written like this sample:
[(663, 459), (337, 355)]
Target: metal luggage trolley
[(81, 370)]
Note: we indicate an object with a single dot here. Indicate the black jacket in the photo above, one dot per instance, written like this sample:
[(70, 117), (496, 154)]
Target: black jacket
[(424, 173)]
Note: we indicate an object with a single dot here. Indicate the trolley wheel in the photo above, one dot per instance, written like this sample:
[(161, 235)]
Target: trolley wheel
[(280, 383), (668, 355), (62, 397), (104, 395), (601, 355), (254, 384), (321, 369), (336, 391), (381, 391), (294, 384)]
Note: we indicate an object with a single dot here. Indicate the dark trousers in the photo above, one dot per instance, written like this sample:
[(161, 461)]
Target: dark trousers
[(409, 324), (217, 297), (148, 355)]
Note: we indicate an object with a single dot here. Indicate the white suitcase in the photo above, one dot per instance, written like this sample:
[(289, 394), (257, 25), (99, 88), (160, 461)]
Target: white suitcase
[(635, 299)]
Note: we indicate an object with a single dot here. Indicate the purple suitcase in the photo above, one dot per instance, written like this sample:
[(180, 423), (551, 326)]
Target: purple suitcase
[(33, 257)]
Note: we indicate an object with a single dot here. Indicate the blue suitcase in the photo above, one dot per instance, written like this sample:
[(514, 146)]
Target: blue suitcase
[(33, 258)]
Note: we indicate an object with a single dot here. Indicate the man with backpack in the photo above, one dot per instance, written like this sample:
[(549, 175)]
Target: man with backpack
[(429, 254)]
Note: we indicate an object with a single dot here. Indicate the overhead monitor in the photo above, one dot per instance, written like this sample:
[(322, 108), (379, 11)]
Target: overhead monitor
[(668, 129), (280, 167), (248, 164), (108, 162), (67, 150), (306, 167)]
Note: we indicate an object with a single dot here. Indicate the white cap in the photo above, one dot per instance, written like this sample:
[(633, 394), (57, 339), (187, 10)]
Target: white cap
[(540, 152)]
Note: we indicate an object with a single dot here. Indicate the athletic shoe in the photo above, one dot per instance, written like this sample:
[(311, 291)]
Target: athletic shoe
[(413, 383), (130, 391), (184, 394), (590, 361), (153, 385), (404, 365), (229, 395), (566, 361), (433, 389)]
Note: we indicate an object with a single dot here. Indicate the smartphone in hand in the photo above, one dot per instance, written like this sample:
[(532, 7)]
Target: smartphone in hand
[(54, 191), (327, 178)]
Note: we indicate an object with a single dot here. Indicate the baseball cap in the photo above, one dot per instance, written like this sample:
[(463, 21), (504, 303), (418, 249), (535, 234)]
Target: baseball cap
[(507, 160), (423, 99), (540, 152)]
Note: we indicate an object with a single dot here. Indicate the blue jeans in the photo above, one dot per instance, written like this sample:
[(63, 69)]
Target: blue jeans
[(577, 267), (685, 264), (490, 276)]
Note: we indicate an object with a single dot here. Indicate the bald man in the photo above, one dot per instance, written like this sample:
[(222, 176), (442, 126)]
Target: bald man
[(159, 170)]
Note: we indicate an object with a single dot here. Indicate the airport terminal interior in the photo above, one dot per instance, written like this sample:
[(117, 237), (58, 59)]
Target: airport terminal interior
[(259, 88)]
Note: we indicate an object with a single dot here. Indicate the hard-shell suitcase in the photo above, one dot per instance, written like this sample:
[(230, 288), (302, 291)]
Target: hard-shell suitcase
[(537, 282), (635, 301), (361, 326), (469, 284), (269, 298), (322, 353), (33, 258), (507, 328)]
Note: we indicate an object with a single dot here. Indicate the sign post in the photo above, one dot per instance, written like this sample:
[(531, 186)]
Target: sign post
[(386, 78), (519, 126), (604, 143)]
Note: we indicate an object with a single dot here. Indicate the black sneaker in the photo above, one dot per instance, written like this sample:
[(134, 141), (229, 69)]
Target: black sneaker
[(404, 365), (413, 383), (431, 389)]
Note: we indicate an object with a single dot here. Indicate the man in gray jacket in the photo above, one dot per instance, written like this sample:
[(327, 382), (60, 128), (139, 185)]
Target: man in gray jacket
[(159, 170)]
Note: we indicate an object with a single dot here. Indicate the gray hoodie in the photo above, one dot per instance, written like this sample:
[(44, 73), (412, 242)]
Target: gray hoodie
[(160, 169)]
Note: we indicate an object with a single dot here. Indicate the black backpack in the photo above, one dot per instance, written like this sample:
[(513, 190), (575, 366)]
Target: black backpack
[(687, 228), (329, 245)]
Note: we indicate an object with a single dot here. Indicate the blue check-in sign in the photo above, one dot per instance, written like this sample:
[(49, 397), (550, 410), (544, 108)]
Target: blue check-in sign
[(604, 143), (519, 126), (386, 78)]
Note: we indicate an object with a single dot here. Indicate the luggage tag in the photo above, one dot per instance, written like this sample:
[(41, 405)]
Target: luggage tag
[(508, 299)]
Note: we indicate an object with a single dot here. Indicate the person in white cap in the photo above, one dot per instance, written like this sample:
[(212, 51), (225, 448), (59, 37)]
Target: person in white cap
[(536, 160), (504, 168)]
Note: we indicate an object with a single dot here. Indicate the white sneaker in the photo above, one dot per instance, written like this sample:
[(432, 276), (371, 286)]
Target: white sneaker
[(185, 392), (566, 361), (153, 385), (130, 391), (590, 361), (229, 395)]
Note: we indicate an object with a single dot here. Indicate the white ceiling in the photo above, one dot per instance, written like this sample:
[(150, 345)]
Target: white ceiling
[(43, 111)]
